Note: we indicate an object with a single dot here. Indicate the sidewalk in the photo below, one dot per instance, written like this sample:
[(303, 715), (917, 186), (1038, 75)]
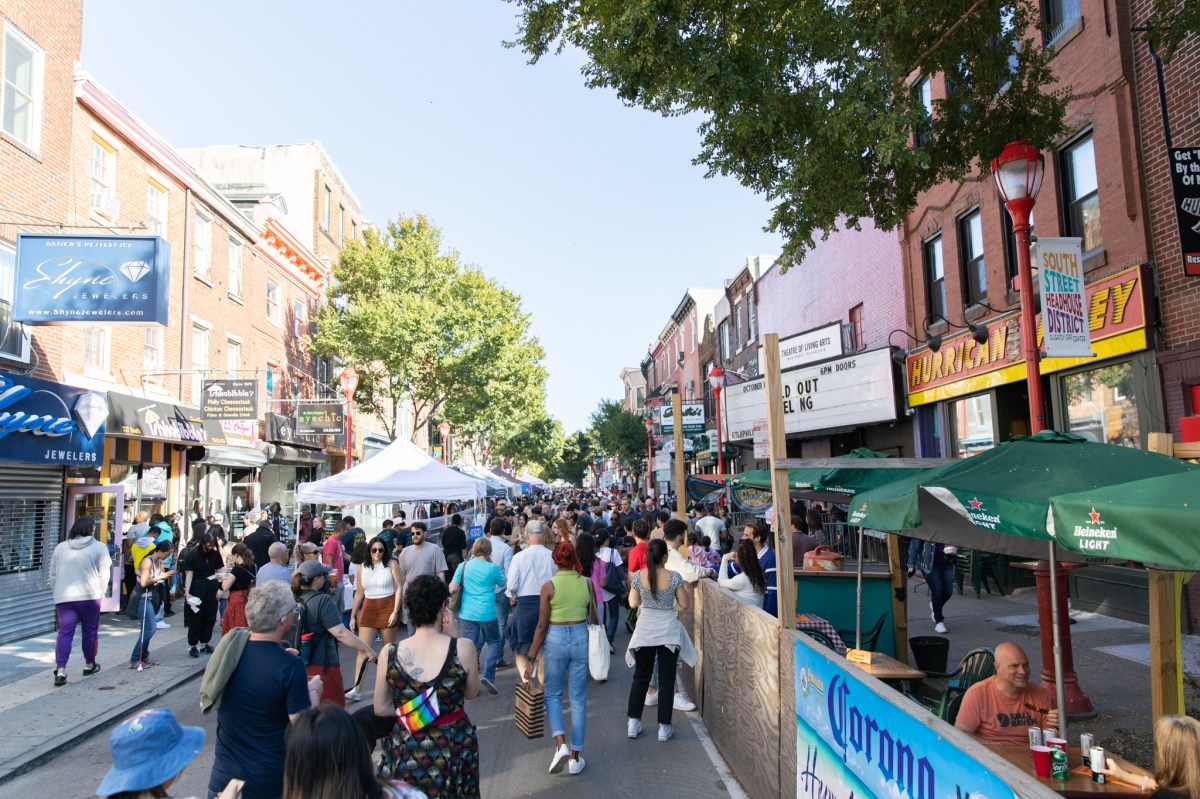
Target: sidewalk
[(40, 719), (1112, 658)]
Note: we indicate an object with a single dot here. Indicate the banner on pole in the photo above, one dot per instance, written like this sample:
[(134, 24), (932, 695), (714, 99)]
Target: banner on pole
[(1065, 332)]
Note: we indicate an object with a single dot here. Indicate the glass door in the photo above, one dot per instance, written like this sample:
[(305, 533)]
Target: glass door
[(105, 504)]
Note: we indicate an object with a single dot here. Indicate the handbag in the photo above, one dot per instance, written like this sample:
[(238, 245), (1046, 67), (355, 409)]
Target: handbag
[(613, 582), (456, 598), (598, 647)]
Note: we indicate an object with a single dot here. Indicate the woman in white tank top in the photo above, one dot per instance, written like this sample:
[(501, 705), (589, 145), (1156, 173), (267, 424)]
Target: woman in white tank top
[(376, 604)]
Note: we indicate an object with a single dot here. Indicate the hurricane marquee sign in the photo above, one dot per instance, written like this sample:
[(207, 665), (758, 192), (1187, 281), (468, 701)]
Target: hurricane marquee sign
[(92, 279)]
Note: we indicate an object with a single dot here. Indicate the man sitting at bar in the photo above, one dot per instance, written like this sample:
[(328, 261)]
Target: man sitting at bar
[(1003, 708)]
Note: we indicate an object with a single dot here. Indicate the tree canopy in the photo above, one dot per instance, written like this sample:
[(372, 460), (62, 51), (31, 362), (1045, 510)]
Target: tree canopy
[(812, 103), (536, 445), (577, 453), (420, 326), (616, 431)]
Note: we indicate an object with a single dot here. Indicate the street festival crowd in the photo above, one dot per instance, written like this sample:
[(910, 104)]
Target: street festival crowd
[(549, 584)]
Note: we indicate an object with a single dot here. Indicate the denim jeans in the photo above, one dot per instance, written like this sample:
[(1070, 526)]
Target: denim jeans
[(145, 614), (612, 617), (566, 652), (480, 632), (940, 579), (502, 612)]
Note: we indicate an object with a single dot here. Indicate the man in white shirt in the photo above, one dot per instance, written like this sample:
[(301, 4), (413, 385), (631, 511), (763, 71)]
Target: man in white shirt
[(672, 533), (710, 525), (530, 569), (502, 556)]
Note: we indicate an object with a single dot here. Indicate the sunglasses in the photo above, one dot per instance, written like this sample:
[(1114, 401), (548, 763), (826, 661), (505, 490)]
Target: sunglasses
[(378, 549)]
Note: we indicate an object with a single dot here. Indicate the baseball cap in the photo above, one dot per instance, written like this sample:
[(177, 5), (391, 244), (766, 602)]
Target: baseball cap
[(313, 568), (147, 750)]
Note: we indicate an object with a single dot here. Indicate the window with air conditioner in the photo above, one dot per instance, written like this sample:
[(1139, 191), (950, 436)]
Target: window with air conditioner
[(24, 65)]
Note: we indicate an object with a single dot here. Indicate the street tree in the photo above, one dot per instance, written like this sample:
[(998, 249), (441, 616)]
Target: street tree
[(616, 431), (577, 454), (812, 103), (536, 445), (419, 326)]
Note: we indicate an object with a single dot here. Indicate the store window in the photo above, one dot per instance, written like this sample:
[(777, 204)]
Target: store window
[(1101, 405), (972, 425)]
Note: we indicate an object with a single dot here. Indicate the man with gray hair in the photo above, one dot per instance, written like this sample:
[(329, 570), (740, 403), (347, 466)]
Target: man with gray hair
[(271, 680), (531, 568), (277, 569)]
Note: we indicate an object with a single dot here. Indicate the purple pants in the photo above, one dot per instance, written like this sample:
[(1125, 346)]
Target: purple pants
[(85, 612)]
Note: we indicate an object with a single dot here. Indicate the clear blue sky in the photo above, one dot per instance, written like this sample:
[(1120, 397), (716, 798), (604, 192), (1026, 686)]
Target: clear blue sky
[(590, 210)]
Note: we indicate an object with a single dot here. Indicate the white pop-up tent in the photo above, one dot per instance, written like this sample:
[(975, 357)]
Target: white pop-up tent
[(400, 473)]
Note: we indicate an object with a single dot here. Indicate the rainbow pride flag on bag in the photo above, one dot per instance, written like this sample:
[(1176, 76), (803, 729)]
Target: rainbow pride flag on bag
[(420, 711)]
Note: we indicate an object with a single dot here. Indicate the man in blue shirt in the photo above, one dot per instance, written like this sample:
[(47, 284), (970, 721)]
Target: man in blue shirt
[(761, 536)]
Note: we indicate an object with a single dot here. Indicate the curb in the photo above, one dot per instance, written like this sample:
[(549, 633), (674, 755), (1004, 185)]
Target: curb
[(40, 754)]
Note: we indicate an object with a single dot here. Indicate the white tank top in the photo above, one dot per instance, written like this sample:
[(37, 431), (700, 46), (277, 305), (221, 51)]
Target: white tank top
[(377, 583)]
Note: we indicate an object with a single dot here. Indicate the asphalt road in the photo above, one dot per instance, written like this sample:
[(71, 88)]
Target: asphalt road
[(510, 764)]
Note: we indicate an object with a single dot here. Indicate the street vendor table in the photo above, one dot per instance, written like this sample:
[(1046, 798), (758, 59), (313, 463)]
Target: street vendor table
[(807, 621), (1079, 777)]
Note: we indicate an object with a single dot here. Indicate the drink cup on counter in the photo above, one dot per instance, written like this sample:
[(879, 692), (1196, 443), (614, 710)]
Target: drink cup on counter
[(1035, 737), (1057, 743), (1096, 756), (1048, 733), (1086, 742), (1041, 760)]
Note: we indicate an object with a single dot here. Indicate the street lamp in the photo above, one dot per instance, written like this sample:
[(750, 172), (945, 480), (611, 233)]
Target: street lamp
[(649, 453), (348, 380), (716, 379), (1018, 171), (444, 429)]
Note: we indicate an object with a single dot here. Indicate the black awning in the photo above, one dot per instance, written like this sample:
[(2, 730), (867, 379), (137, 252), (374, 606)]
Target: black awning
[(297, 456)]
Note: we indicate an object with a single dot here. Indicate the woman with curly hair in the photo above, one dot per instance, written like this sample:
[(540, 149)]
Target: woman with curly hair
[(424, 684)]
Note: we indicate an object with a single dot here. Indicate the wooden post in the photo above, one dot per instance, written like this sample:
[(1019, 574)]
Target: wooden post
[(780, 499), (899, 596), (680, 475), (1162, 443), (1166, 668)]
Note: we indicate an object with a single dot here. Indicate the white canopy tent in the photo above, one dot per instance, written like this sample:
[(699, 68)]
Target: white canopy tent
[(493, 481), (400, 473), (526, 477)]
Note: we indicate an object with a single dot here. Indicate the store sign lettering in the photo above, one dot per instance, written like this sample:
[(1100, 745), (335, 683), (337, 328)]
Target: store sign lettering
[(22, 422), (44, 422)]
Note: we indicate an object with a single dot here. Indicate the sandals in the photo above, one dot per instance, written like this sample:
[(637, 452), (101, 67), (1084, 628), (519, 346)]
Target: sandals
[(90, 670)]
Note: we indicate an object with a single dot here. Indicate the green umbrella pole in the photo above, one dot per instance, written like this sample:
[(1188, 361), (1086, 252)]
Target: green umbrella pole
[(1059, 691), (858, 613)]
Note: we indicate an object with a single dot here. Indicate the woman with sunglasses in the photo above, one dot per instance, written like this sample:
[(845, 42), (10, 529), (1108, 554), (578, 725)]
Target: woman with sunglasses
[(376, 604)]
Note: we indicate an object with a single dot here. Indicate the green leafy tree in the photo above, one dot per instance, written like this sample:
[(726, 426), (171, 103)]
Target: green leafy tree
[(616, 431), (421, 327), (536, 445), (577, 454), (810, 102)]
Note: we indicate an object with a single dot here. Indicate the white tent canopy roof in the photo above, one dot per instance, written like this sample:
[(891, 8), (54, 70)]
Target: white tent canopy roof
[(400, 473)]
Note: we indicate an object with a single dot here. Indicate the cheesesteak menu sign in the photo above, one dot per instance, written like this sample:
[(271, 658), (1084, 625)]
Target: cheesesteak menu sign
[(93, 279), (230, 400)]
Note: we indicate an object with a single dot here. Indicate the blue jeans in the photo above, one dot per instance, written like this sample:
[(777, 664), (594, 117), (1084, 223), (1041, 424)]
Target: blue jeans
[(502, 612), (566, 652), (145, 614), (612, 617), (479, 632), (940, 579)]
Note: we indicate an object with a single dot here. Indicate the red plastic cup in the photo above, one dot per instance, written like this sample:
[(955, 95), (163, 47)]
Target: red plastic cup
[(1041, 760), (1057, 743)]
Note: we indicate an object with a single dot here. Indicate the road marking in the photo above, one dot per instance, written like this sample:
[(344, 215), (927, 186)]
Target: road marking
[(710, 749)]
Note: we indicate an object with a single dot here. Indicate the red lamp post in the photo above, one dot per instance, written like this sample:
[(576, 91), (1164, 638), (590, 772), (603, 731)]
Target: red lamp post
[(348, 380), (649, 454), (444, 429), (1018, 172), (716, 379)]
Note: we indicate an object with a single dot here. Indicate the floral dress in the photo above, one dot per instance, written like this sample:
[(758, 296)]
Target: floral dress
[(441, 759)]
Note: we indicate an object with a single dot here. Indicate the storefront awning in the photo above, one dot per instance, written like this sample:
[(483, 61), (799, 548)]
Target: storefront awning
[(242, 457), (296, 456)]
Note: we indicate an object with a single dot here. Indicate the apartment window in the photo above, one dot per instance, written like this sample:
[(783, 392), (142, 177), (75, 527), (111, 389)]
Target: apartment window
[(95, 349), (24, 62), (235, 266), (203, 247), (353, 230), (341, 223), (856, 321), (298, 319), (156, 208), (104, 180), (1081, 193), (724, 342), (694, 331), (323, 388), (740, 334), (1010, 245), (970, 248), (152, 354), (935, 277), (14, 342), (327, 197), (199, 358), (753, 318), (1060, 15), (233, 357), (272, 302), (923, 92)]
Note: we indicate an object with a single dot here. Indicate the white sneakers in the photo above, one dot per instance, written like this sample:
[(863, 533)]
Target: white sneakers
[(683, 703), (665, 732), (940, 627), (561, 755), (353, 695), (577, 765), (162, 625), (635, 728), (651, 698)]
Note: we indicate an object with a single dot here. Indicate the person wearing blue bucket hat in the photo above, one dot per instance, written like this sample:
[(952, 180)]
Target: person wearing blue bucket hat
[(149, 751)]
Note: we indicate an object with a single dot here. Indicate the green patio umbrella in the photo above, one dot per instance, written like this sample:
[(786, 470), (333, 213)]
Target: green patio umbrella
[(1151, 520), (830, 485)]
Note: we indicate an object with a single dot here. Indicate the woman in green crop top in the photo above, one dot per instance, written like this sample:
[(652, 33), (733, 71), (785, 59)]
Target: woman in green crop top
[(566, 603)]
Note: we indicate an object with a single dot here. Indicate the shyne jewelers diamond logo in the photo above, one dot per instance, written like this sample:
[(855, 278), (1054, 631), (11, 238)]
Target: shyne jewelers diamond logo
[(1093, 535), (134, 270), (90, 412)]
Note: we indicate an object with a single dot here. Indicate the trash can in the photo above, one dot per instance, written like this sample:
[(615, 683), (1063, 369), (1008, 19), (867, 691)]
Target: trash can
[(931, 652)]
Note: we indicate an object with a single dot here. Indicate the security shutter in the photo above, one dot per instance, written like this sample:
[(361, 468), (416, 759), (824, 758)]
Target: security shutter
[(31, 525)]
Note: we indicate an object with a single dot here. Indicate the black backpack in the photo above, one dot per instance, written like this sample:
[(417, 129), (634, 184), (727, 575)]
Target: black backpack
[(306, 637)]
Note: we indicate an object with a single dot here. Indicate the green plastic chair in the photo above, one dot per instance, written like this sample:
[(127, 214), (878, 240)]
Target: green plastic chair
[(819, 636), (870, 637), (976, 666)]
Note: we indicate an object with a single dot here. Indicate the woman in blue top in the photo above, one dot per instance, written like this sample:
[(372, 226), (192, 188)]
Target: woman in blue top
[(479, 579)]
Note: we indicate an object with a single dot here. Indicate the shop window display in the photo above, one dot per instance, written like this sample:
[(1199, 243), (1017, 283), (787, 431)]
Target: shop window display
[(972, 425), (1101, 405)]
